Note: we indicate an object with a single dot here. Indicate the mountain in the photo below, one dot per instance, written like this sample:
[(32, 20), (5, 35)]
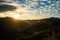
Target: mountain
[(11, 29), (45, 29), (13, 24)]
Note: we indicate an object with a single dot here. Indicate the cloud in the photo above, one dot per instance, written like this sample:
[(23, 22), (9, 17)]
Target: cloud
[(5, 7), (35, 9), (5, 0)]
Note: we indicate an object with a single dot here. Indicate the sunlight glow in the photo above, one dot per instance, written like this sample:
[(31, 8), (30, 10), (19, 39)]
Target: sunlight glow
[(16, 16)]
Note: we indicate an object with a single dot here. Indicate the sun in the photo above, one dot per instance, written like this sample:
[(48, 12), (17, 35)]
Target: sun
[(16, 16)]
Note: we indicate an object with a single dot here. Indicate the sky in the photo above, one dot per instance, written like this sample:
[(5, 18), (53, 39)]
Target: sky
[(32, 9)]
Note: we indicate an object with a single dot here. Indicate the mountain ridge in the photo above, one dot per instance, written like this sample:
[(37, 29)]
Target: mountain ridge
[(31, 30)]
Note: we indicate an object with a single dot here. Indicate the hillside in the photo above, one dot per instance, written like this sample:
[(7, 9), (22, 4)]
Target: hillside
[(43, 29)]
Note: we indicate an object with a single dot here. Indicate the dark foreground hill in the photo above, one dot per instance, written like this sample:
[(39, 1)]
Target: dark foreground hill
[(44, 29)]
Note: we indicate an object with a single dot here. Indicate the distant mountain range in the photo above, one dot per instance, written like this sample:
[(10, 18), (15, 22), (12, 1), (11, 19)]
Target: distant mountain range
[(26, 29)]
